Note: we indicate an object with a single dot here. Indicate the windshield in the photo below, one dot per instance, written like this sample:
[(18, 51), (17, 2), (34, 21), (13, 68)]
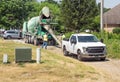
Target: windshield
[(87, 39)]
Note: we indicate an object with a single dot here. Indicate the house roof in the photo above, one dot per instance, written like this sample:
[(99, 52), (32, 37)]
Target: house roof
[(112, 16)]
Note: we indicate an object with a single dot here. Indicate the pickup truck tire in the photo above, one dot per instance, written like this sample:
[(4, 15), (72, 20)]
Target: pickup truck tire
[(79, 55), (65, 52)]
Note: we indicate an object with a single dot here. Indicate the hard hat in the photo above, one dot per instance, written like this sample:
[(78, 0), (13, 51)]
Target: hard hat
[(46, 11)]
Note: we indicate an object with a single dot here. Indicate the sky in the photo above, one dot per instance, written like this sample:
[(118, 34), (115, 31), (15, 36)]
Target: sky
[(110, 3), (107, 3)]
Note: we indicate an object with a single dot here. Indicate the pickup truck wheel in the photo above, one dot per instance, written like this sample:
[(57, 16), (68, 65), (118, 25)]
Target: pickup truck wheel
[(65, 52), (79, 55)]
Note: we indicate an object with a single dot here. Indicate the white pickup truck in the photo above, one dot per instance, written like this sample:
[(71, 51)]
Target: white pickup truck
[(84, 46)]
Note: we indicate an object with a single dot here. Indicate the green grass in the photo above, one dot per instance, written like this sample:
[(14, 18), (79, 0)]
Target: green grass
[(113, 48), (112, 42), (53, 67)]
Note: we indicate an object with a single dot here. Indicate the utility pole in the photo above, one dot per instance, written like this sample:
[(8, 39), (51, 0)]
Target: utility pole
[(101, 17)]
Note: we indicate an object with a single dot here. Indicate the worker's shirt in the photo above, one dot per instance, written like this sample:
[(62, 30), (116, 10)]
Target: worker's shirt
[(45, 38), (63, 36)]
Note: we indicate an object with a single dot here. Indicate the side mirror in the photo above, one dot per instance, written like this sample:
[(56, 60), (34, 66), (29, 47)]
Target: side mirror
[(101, 40), (73, 41)]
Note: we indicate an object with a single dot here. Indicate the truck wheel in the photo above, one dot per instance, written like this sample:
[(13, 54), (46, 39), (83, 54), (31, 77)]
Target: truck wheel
[(24, 40), (32, 42), (29, 39), (65, 52), (35, 42), (79, 55)]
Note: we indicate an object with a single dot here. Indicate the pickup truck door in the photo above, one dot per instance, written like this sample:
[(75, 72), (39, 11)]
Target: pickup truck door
[(72, 44)]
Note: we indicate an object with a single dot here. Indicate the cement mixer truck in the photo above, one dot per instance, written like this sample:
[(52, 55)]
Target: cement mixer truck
[(36, 27)]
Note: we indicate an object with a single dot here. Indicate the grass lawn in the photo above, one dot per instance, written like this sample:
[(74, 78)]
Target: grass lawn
[(53, 67)]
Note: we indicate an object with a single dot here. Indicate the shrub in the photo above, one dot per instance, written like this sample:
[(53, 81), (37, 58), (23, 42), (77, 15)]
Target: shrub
[(112, 42), (68, 34), (116, 30), (113, 48)]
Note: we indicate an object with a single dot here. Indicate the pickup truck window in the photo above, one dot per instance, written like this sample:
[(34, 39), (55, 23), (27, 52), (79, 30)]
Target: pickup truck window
[(73, 39), (87, 39)]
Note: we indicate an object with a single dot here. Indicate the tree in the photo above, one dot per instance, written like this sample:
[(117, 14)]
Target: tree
[(13, 12), (78, 14), (51, 1)]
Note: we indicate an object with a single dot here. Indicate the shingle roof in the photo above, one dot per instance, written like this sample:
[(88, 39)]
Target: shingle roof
[(112, 16)]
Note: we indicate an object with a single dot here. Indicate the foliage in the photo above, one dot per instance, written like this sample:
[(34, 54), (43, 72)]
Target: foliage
[(112, 42), (113, 48), (78, 14), (116, 30), (95, 24), (13, 12), (106, 35), (51, 1), (68, 34)]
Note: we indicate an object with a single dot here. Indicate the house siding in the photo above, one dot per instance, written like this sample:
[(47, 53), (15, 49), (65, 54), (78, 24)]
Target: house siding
[(110, 27)]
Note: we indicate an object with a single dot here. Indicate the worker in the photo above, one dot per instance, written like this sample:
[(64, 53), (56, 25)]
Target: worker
[(45, 41), (63, 36)]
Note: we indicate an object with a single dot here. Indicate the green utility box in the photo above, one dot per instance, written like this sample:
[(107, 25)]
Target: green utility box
[(23, 54)]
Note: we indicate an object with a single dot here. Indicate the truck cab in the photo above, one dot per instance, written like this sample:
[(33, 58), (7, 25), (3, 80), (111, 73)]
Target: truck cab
[(84, 46)]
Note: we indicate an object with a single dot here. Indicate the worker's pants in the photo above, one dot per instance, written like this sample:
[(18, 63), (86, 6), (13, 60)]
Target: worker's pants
[(44, 44)]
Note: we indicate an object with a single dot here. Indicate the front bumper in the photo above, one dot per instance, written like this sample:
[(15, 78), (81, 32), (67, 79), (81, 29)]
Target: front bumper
[(93, 55)]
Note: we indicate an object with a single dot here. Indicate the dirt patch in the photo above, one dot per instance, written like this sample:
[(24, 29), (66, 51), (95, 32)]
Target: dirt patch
[(110, 66)]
